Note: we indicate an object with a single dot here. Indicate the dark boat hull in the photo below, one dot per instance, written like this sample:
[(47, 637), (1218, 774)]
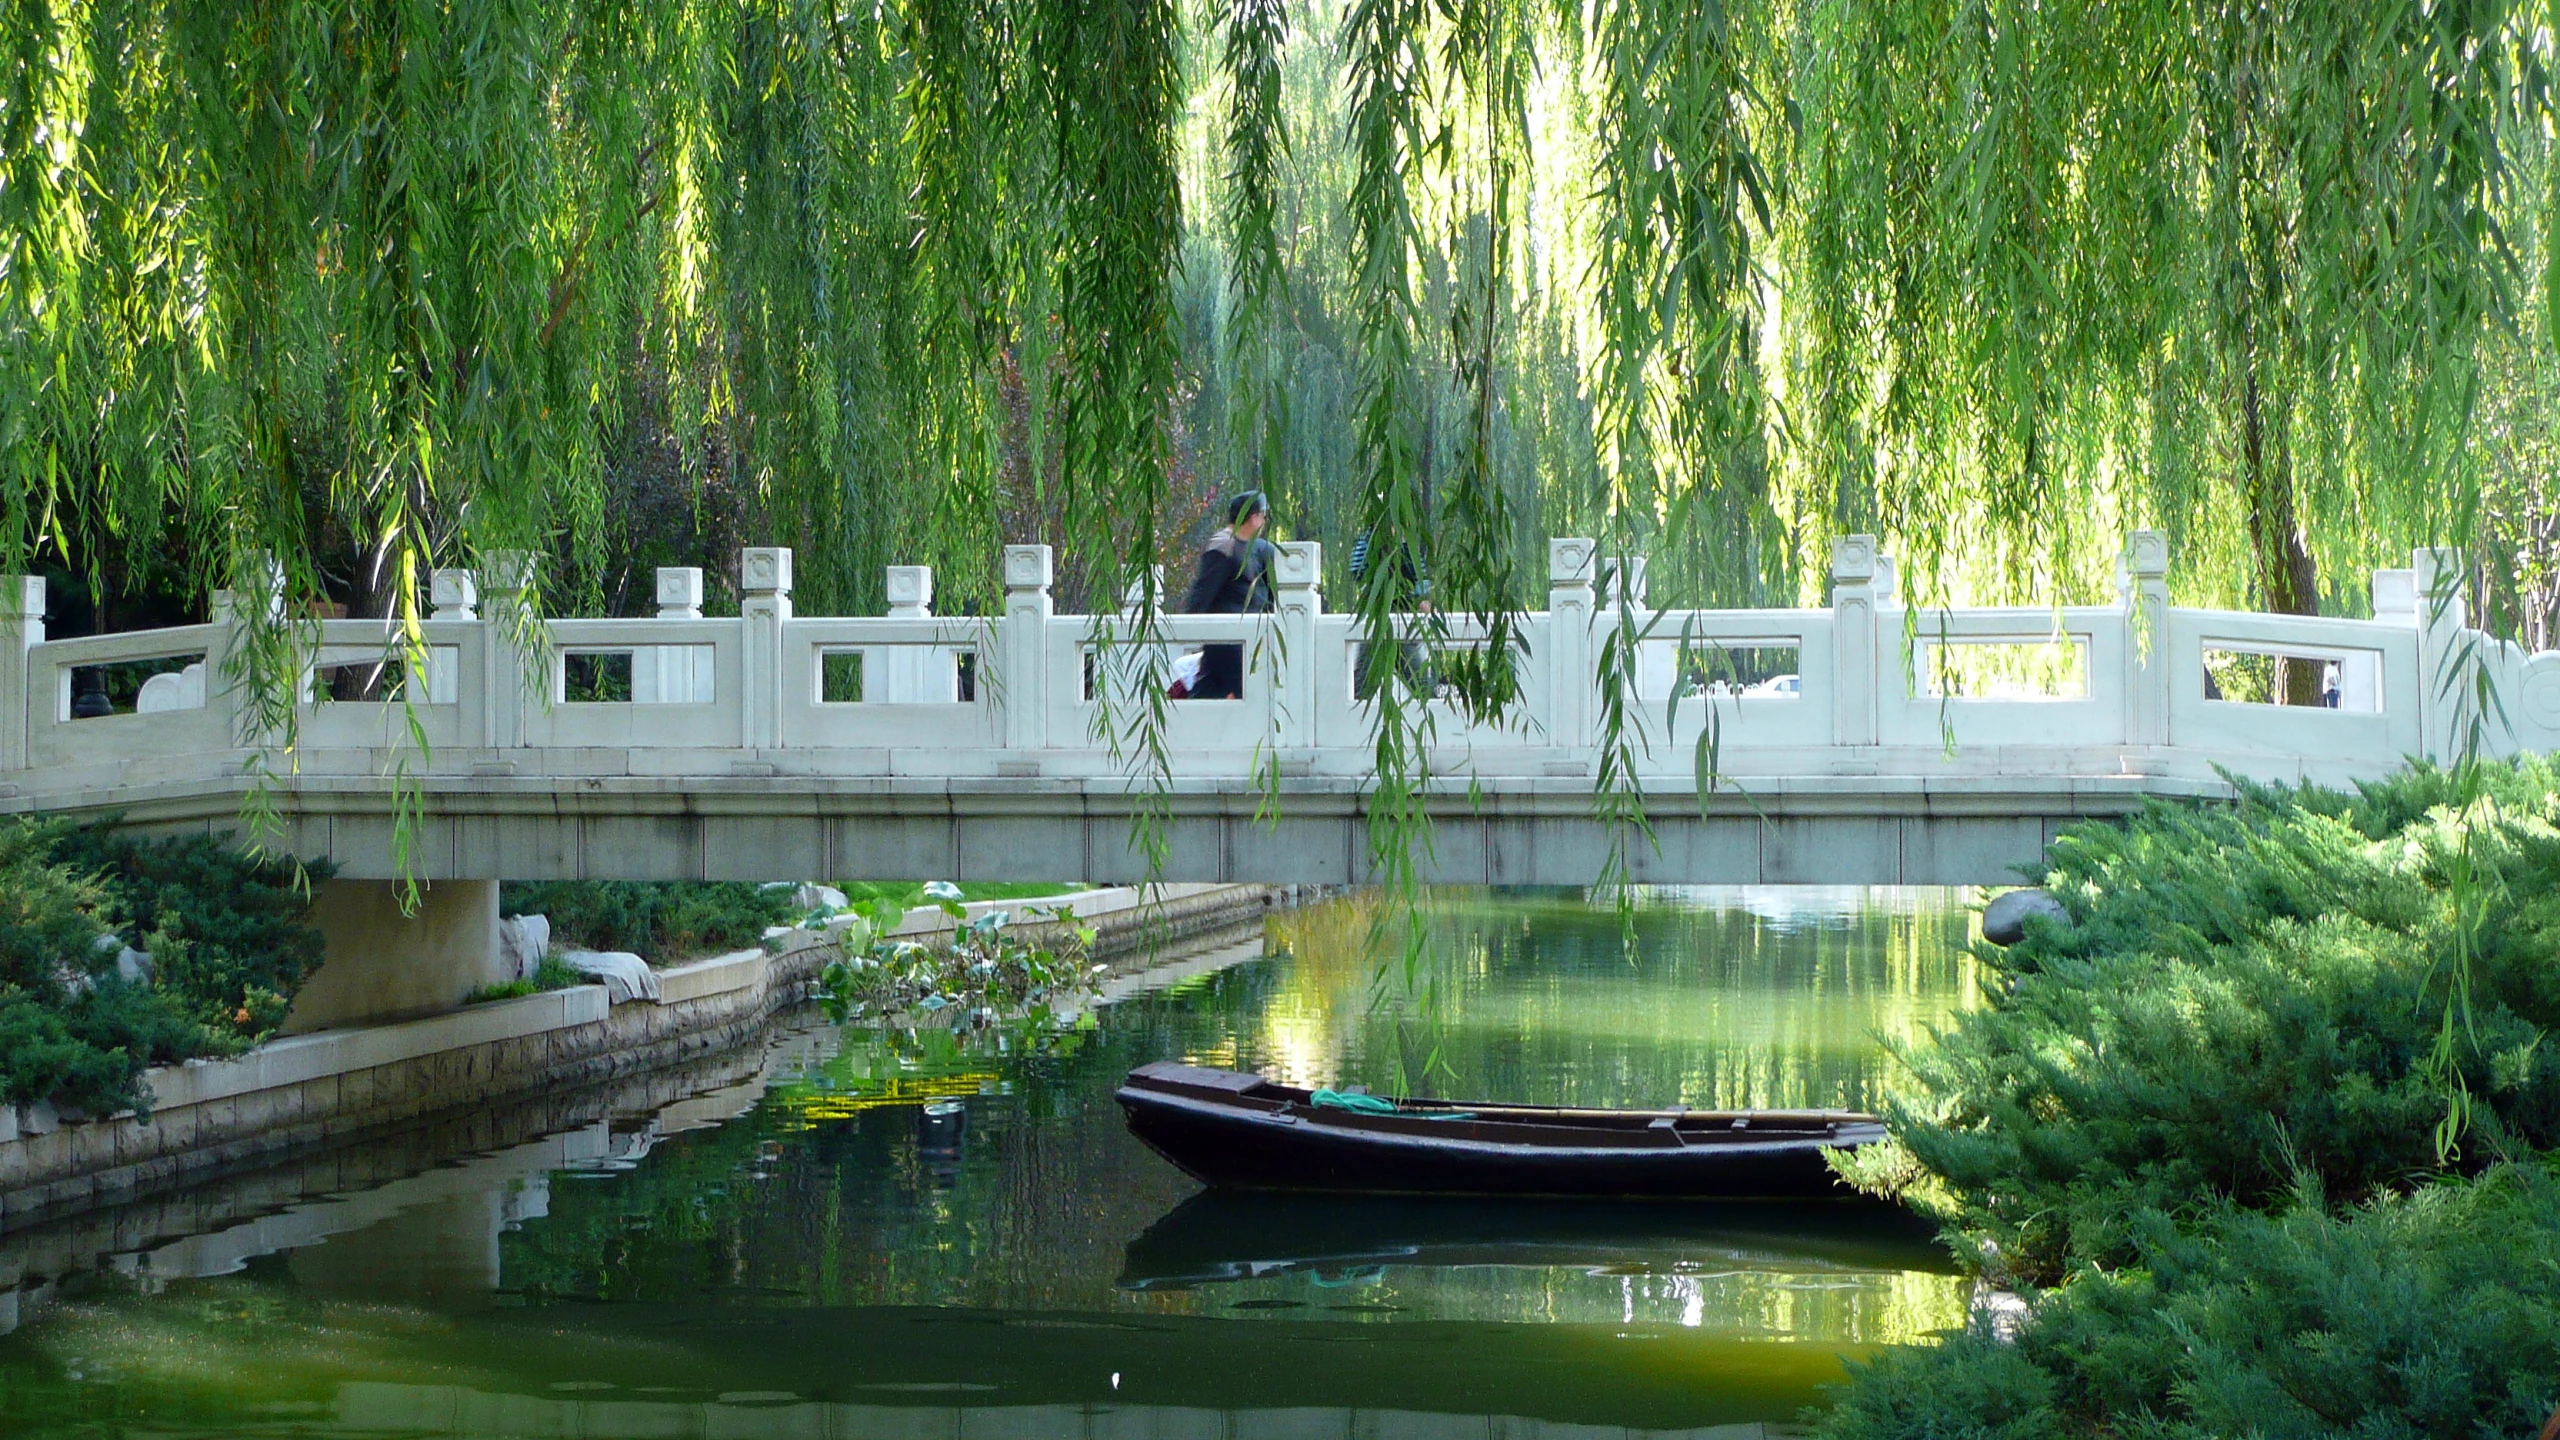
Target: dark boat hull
[(1286, 1146)]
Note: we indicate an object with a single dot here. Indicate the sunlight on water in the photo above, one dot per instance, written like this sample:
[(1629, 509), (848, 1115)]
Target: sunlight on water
[(900, 1234)]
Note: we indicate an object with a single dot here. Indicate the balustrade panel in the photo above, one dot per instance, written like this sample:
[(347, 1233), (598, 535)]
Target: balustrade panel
[(150, 696)]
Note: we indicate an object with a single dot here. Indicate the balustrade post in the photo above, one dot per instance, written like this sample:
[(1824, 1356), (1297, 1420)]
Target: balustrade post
[(2445, 697), (2145, 587), (1853, 640), (2395, 598), (1297, 583), (513, 664), (21, 630), (452, 595), (764, 577), (679, 592), (223, 689), (910, 674), (1028, 569), (673, 674), (1573, 676)]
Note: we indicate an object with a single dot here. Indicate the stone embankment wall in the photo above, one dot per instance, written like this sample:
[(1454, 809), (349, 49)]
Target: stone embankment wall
[(299, 1092)]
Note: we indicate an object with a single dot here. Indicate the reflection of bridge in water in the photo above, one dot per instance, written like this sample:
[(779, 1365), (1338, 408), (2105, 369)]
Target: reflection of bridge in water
[(779, 746)]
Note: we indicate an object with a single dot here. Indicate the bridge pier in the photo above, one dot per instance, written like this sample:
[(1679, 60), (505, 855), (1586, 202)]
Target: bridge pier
[(383, 965)]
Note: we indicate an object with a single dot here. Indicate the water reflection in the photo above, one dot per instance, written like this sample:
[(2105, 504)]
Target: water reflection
[(1742, 1269), (1726, 997), (890, 1234)]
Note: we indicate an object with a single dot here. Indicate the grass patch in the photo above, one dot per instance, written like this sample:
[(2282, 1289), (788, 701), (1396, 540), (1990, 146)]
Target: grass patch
[(552, 974)]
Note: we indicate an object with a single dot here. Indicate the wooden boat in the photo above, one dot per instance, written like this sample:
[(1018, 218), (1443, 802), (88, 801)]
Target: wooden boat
[(1242, 1131)]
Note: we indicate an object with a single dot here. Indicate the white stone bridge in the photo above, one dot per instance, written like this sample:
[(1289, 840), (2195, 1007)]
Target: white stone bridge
[(1855, 743)]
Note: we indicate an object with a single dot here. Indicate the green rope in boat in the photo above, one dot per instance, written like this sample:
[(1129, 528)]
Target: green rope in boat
[(1359, 1104)]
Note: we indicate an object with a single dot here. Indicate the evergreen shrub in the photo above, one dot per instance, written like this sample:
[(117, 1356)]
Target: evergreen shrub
[(229, 941), (2431, 1315), (658, 920), (2247, 994)]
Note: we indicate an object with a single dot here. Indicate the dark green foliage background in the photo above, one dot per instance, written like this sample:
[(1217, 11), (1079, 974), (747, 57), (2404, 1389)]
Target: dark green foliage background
[(228, 934), (661, 921)]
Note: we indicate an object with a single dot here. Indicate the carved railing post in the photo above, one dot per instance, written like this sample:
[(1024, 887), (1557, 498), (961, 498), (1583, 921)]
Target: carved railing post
[(1297, 584), (673, 674), (764, 607), (1573, 676), (452, 596), (515, 673), (2395, 597), (2446, 702), (910, 674), (679, 592), (1853, 640), (1028, 570), (2145, 586), (21, 630), (223, 689)]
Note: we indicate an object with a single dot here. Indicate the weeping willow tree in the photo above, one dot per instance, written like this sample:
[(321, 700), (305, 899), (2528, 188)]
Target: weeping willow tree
[(2225, 267), (326, 293), (436, 280)]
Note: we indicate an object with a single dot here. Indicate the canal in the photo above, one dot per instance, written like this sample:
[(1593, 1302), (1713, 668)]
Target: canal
[(863, 1234)]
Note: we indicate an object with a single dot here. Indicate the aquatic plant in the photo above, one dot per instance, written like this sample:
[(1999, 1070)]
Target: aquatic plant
[(984, 972)]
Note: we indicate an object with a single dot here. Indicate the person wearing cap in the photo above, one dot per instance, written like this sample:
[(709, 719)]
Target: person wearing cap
[(1234, 579)]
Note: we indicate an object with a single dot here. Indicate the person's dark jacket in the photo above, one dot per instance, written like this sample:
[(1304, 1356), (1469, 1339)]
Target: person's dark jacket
[(1234, 578)]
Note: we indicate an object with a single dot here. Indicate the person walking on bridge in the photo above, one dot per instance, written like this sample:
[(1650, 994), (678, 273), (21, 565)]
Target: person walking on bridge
[(1234, 578)]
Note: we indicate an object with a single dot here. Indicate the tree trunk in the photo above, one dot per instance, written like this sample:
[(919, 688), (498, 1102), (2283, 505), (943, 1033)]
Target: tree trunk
[(1017, 488), (2288, 581)]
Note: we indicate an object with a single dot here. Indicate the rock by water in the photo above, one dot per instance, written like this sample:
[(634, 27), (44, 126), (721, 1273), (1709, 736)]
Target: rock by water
[(2004, 920)]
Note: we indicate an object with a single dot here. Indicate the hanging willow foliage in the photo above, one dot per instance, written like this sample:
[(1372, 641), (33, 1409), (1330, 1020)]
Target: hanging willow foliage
[(2222, 266), (328, 293)]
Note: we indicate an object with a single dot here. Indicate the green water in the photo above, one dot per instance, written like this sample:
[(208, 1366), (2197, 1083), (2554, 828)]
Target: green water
[(893, 1236)]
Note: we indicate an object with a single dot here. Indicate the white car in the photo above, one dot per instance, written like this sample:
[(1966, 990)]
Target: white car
[(1787, 686)]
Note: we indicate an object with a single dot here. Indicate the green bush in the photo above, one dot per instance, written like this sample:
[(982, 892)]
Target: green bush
[(229, 933), (227, 937), (657, 920), (2246, 993), (2434, 1315)]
